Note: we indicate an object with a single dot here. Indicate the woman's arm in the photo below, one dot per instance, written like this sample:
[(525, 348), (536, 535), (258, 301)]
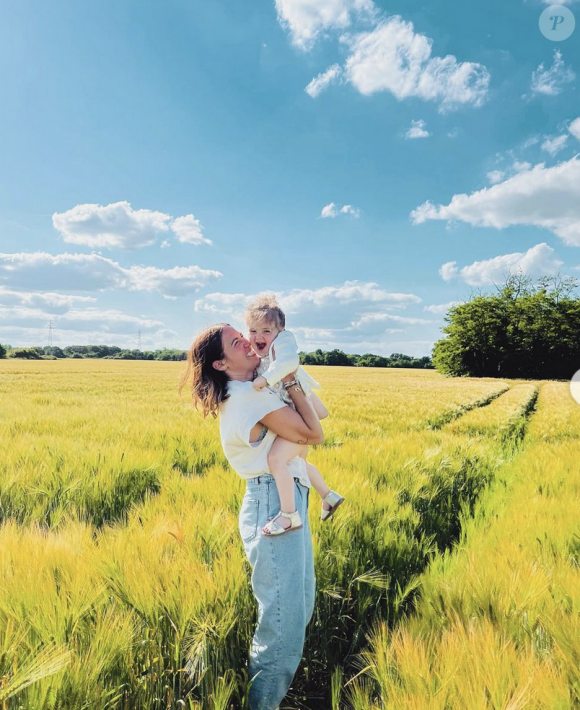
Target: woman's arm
[(319, 407), (301, 426)]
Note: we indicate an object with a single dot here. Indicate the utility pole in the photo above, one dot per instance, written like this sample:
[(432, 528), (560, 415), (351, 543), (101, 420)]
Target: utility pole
[(50, 327)]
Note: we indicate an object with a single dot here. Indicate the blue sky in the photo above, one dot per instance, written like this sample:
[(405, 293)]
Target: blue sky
[(371, 163)]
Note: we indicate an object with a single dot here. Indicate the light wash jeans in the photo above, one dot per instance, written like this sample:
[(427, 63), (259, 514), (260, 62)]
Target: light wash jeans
[(283, 583)]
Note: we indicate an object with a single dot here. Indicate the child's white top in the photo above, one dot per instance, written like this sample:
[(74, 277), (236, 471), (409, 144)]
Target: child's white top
[(282, 359)]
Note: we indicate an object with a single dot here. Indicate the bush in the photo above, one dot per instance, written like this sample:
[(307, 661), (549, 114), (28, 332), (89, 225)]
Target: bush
[(25, 353)]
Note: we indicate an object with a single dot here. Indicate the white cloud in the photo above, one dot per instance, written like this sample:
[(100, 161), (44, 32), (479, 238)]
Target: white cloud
[(448, 271), (110, 226), (417, 130), (382, 317), (333, 210), (56, 302), (394, 58), (92, 272), (335, 309), (495, 176), (531, 141), (320, 82), (574, 128), (164, 244), (520, 166), (355, 316), (441, 308), (551, 82), (537, 261), (554, 144), (119, 226), (189, 230), (543, 197), (307, 19)]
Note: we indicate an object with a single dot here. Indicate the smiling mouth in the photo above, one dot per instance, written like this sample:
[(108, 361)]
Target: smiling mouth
[(260, 346)]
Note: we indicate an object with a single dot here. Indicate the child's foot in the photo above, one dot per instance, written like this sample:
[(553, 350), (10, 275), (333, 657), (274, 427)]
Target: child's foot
[(329, 504), (282, 523)]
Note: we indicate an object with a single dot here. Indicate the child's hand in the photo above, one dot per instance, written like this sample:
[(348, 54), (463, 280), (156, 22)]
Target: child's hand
[(259, 383)]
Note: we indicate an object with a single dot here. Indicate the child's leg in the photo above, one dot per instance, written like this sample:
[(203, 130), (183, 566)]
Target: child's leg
[(318, 483), (281, 453)]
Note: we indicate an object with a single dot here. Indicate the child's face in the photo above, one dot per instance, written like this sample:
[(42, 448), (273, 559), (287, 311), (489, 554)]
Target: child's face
[(262, 333)]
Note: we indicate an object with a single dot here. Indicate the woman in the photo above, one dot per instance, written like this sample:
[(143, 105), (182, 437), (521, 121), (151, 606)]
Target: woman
[(221, 367)]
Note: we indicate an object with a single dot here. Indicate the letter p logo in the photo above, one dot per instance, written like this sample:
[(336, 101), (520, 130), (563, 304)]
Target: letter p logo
[(557, 23)]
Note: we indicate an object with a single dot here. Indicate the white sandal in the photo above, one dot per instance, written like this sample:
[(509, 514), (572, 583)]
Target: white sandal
[(273, 528), (334, 500)]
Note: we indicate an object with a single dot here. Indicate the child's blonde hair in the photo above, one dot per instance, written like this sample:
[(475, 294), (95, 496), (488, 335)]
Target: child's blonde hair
[(266, 308)]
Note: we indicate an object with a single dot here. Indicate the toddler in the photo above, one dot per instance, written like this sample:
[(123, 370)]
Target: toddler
[(279, 357)]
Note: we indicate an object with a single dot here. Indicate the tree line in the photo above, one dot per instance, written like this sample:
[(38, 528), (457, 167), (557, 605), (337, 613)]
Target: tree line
[(525, 330), (338, 357), (77, 352), (112, 352)]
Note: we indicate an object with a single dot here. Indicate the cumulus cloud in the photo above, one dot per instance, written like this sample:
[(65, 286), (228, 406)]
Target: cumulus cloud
[(574, 128), (339, 310), (92, 272), (306, 20), (441, 308), (320, 82), (543, 197), (394, 58), (56, 302), (355, 316), (448, 271), (27, 325), (77, 319), (551, 82), (189, 230), (554, 144), (119, 226), (333, 210), (495, 176), (417, 130), (110, 226), (537, 261)]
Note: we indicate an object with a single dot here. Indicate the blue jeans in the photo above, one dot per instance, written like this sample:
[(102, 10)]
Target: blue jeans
[(283, 583)]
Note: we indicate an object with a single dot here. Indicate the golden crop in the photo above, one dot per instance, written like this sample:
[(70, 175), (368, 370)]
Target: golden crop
[(449, 578)]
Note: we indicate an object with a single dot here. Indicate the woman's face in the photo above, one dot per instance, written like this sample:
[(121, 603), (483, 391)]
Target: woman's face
[(239, 356)]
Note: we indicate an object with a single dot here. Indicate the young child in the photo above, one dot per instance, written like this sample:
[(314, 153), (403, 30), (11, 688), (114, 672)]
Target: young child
[(279, 357)]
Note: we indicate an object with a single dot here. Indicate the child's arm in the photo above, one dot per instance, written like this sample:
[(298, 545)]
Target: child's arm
[(319, 408), (287, 360)]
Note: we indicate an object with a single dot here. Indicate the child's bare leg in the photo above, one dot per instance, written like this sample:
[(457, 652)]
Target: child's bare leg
[(281, 453), (318, 483)]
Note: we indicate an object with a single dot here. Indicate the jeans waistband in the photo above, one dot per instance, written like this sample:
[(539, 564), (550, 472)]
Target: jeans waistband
[(262, 479)]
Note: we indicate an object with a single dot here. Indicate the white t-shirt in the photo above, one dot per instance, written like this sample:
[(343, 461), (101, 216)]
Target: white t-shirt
[(243, 409)]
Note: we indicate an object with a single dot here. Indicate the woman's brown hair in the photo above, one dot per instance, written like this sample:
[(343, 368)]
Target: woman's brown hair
[(208, 385)]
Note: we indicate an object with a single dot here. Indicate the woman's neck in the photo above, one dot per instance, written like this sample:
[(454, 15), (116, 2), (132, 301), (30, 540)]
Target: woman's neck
[(242, 376)]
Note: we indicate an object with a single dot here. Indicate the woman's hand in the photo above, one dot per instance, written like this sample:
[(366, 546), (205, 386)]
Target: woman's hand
[(290, 377), (301, 426)]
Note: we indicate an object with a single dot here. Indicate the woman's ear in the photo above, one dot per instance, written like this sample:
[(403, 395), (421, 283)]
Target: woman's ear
[(219, 365)]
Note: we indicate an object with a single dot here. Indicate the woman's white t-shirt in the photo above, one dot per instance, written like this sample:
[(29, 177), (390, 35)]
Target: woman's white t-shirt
[(243, 409)]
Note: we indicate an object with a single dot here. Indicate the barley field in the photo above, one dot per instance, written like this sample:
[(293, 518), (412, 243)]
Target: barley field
[(450, 579)]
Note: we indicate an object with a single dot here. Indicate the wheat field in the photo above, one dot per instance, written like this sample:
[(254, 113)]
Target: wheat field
[(449, 579)]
